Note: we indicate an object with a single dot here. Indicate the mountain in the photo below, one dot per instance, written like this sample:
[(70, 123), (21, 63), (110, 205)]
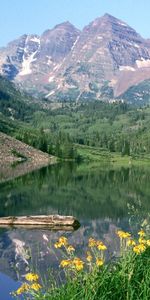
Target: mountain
[(29, 59), (138, 94), (107, 53), (102, 61)]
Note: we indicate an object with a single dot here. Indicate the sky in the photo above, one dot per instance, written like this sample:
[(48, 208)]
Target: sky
[(18, 17)]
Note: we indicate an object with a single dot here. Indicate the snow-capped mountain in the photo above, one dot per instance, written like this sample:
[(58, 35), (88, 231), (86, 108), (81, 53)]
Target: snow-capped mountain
[(104, 59), (29, 59)]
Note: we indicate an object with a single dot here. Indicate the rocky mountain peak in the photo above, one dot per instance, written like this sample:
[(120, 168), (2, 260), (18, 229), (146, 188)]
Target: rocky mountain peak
[(108, 23), (61, 28), (64, 59), (66, 26), (111, 18), (57, 42), (107, 18)]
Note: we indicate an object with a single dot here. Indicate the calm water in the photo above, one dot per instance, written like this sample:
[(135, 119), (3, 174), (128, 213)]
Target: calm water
[(97, 197)]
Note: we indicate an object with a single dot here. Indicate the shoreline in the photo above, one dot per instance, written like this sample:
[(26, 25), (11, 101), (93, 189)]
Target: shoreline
[(17, 158)]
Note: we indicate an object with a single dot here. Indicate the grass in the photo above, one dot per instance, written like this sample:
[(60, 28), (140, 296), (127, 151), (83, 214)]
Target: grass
[(90, 278), (93, 153), (103, 156), (128, 280)]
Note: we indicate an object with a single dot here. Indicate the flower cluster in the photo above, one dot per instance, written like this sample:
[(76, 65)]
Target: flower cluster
[(76, 263), (123, 234), (22, 289), (143, 243), (98, 244), (94, 257), (31, 277), (29, 288), (63, 241), (138, 247)]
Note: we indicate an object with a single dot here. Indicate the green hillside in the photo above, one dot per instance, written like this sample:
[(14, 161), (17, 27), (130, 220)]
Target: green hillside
[(14, 103), (116, 128)]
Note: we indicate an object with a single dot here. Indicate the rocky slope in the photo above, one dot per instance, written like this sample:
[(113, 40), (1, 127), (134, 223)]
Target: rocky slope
[(103, 60), (17, 158)]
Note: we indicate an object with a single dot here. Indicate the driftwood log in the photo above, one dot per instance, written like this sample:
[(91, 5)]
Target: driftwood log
[(55, 222)]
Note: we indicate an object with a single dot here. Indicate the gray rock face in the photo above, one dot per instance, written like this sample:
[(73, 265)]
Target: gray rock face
[(14, 56), (57, 43), (29, 59), (106, 48), (67, 61)]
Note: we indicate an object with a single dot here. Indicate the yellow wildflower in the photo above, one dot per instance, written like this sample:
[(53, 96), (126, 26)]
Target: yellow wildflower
[(32, 277), (78, 263), (142, 241), (126, 235), (22, 289), (148, 242), (123, 234), (120, 233), (99, 262), (70, 249), (36, 286), (138, 249), (101, 246), (142, 247), (58, 245), (65, 263), (89, 256), (141, 233), (63, 240), (92, 242), (131, 243)]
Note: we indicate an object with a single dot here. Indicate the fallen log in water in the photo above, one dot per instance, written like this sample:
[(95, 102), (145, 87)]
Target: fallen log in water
[(51, 221)]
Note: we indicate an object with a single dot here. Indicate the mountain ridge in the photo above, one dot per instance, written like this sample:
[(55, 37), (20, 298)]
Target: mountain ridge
[(66, 63)]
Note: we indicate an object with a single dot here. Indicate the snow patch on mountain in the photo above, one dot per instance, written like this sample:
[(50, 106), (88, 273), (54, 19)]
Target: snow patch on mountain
[(136, 45), (75, 43), (143, 63), (49, 60), (26, 64), (51, 78), (126, 68), (122, 24), (99, 37), (35, 39)]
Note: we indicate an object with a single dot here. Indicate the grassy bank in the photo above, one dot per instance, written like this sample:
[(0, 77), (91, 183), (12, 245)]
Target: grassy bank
[(90, 278), (99, 155)]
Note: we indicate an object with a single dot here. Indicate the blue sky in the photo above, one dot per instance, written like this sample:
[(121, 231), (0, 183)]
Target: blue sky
[(34, 16)]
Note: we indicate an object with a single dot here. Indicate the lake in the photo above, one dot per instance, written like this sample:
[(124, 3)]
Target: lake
[(102, 198)]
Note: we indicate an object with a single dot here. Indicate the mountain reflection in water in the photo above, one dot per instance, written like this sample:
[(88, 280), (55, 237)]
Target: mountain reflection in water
[(97, 197)]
